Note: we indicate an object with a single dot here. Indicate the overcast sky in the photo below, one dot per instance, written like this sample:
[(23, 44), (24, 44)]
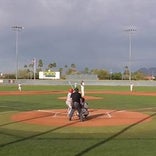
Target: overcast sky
[(88, 33)]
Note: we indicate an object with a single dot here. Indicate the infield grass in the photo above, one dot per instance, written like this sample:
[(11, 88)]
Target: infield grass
[(20, 139)]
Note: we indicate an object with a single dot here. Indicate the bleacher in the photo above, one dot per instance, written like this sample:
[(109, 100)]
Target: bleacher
[(82, 77)]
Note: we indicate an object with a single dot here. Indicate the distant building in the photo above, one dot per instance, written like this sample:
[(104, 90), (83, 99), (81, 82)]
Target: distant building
[(150, 77)]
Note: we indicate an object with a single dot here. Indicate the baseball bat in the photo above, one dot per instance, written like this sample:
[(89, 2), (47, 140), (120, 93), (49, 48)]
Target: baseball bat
[(70, 84)]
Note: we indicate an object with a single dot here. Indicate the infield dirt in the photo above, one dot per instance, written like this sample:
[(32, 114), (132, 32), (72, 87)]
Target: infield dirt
[(97, 117)]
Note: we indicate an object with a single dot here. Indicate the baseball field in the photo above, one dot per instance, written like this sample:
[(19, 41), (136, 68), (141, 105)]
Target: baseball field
[(34, 122)]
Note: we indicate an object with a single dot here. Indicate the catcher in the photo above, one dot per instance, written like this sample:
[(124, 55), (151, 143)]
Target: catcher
[(84, 108)]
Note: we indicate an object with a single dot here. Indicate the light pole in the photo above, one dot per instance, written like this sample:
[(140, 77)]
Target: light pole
[(34, 66), (17, 29), (130, 30)]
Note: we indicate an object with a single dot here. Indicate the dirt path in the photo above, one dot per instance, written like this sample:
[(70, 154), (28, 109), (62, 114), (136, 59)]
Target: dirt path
[(2, 93), (97, 117)]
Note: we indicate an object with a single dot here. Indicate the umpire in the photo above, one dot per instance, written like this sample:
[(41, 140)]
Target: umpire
[(76, 104)]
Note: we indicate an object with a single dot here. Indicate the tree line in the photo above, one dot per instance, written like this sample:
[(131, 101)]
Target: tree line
[(28, 71)]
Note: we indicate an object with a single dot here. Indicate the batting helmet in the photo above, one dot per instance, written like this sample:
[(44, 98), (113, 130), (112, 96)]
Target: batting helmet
[(71, 90)]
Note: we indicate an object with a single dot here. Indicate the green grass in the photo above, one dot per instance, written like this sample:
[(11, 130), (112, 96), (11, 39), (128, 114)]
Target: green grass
[(14, 87), (18, 138)]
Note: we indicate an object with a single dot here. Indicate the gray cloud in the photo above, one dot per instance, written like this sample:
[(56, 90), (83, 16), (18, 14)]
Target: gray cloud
[(88, 33)]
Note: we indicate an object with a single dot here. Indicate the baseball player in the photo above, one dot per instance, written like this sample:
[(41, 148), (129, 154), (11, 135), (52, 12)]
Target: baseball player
[(76, 104), (131, 87), (19, 87), (75, 84), (69, 100), (82, 88)]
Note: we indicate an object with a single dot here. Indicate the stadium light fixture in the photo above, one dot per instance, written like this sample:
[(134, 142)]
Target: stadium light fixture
[(130, 31), (17, 29)]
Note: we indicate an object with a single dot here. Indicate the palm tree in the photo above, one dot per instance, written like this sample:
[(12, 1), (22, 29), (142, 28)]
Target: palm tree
[(73, 65), (40, 64), (126, 72), (51, 65)]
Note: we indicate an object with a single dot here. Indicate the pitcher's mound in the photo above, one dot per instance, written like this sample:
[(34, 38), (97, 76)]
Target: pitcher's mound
[(97, 117)]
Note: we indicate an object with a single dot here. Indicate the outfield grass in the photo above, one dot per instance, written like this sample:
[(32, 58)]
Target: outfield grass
[(18, 138)]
